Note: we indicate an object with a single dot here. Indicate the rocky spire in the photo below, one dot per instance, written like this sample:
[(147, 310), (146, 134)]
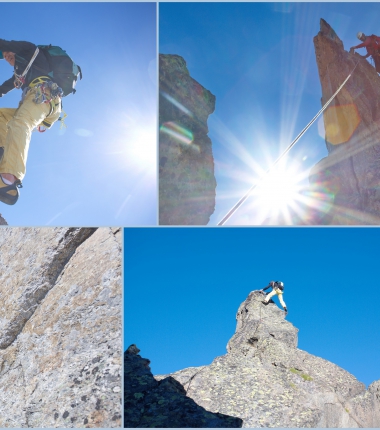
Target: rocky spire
[(186, 176), (266, 381), (349, 176)]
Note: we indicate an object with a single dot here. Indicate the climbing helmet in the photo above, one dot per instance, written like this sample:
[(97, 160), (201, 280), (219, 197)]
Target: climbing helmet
[(360, 35)]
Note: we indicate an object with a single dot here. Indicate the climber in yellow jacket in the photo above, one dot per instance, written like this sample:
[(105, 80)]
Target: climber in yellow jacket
[(277, 288), (40, 106)]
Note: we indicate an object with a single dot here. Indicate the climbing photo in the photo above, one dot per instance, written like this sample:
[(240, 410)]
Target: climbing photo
[(268, 114), (78, 115), (251, 327)]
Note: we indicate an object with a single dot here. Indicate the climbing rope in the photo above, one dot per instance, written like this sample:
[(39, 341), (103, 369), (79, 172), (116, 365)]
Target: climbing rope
[(247, 194), (20, 79)]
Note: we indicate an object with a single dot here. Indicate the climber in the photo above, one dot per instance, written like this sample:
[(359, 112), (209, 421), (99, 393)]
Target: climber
[(40, 105), (278, 288), (372, 45)]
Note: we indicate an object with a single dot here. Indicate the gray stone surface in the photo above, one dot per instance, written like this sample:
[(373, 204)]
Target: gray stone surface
[(186, 164), (151, 403), (265, 380), (351, 171), (60, 337)]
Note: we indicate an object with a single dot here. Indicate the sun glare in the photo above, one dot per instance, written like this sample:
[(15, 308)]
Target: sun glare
[(278, 190)]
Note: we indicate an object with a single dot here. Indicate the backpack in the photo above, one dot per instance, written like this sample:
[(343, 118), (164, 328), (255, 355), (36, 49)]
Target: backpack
[(278, 285), (63, 70)]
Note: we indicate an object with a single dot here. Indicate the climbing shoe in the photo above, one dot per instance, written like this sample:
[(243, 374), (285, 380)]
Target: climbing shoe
[(264, 302), (9, 193), (286, 311)]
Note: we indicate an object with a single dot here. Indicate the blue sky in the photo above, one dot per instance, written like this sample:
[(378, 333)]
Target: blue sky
[(183, 287), (258, 60), (101, 170)]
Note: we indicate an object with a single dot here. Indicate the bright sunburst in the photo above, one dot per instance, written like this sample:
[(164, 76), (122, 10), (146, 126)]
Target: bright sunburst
[(278, 193)]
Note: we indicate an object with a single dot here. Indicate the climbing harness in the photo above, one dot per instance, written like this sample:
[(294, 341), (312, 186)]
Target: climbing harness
[(247, 194), (20, 79)]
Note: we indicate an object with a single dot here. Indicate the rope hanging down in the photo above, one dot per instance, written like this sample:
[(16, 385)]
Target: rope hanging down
[(246, 195)]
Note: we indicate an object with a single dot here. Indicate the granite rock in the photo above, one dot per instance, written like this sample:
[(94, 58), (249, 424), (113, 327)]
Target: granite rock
[(266, 381), (164, 404), (60, 341), (186, 164), (350, 175)]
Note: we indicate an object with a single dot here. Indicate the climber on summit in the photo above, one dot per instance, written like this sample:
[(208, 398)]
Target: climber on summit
[(277, 288), (44, 74), (372, 45)]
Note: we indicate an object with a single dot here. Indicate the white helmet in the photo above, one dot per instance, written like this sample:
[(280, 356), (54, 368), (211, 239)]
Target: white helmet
[(279, 283), (360, 35)]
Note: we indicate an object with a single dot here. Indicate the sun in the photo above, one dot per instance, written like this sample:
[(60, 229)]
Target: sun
[(279, 192)]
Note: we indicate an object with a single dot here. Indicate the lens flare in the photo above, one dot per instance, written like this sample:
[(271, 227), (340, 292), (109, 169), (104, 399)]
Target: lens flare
[(177, 132)]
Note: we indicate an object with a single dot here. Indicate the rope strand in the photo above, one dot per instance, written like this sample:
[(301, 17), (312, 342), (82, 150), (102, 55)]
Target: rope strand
[(247, 194)]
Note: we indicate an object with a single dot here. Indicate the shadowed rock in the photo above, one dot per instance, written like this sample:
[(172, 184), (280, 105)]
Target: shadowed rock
[(186, 165), (265, 380), (350, 174), (151, 403)]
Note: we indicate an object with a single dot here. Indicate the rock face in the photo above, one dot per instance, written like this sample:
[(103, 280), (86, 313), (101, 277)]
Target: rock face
[(60, 337), (2, 221), (265, 380), (186, 165), (350, 174), (151, 403)]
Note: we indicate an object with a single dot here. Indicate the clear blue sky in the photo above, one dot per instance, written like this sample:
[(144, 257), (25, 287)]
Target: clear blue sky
[(258, 60), (101, 170), (183, 287)]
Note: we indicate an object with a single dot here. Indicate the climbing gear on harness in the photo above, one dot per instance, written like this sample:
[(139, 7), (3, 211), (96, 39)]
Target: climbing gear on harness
[(9, 193), (46, 92), (248, 193), (63, 70), (62, 120), (20, 79)]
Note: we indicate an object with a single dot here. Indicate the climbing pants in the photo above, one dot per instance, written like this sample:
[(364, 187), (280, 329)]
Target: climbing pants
[(16, 126), (279, 295)]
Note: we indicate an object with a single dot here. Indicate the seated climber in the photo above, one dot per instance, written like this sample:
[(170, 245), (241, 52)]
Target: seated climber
[(278, 288), (372, 45), (40, 105)]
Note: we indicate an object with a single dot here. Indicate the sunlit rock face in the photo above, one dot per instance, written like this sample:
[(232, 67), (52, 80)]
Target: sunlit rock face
[(60, 337), (349, 176), (266, 381), (186, 165)]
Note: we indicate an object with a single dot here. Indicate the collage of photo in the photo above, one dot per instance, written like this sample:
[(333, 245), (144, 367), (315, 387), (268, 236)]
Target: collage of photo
[(200, 249)]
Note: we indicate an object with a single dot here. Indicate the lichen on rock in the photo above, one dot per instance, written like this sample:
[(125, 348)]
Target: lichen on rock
[(186, 165), (60, 341), (265, 380)]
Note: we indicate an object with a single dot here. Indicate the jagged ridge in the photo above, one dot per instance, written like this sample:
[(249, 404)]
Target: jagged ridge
[(265, 380)]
